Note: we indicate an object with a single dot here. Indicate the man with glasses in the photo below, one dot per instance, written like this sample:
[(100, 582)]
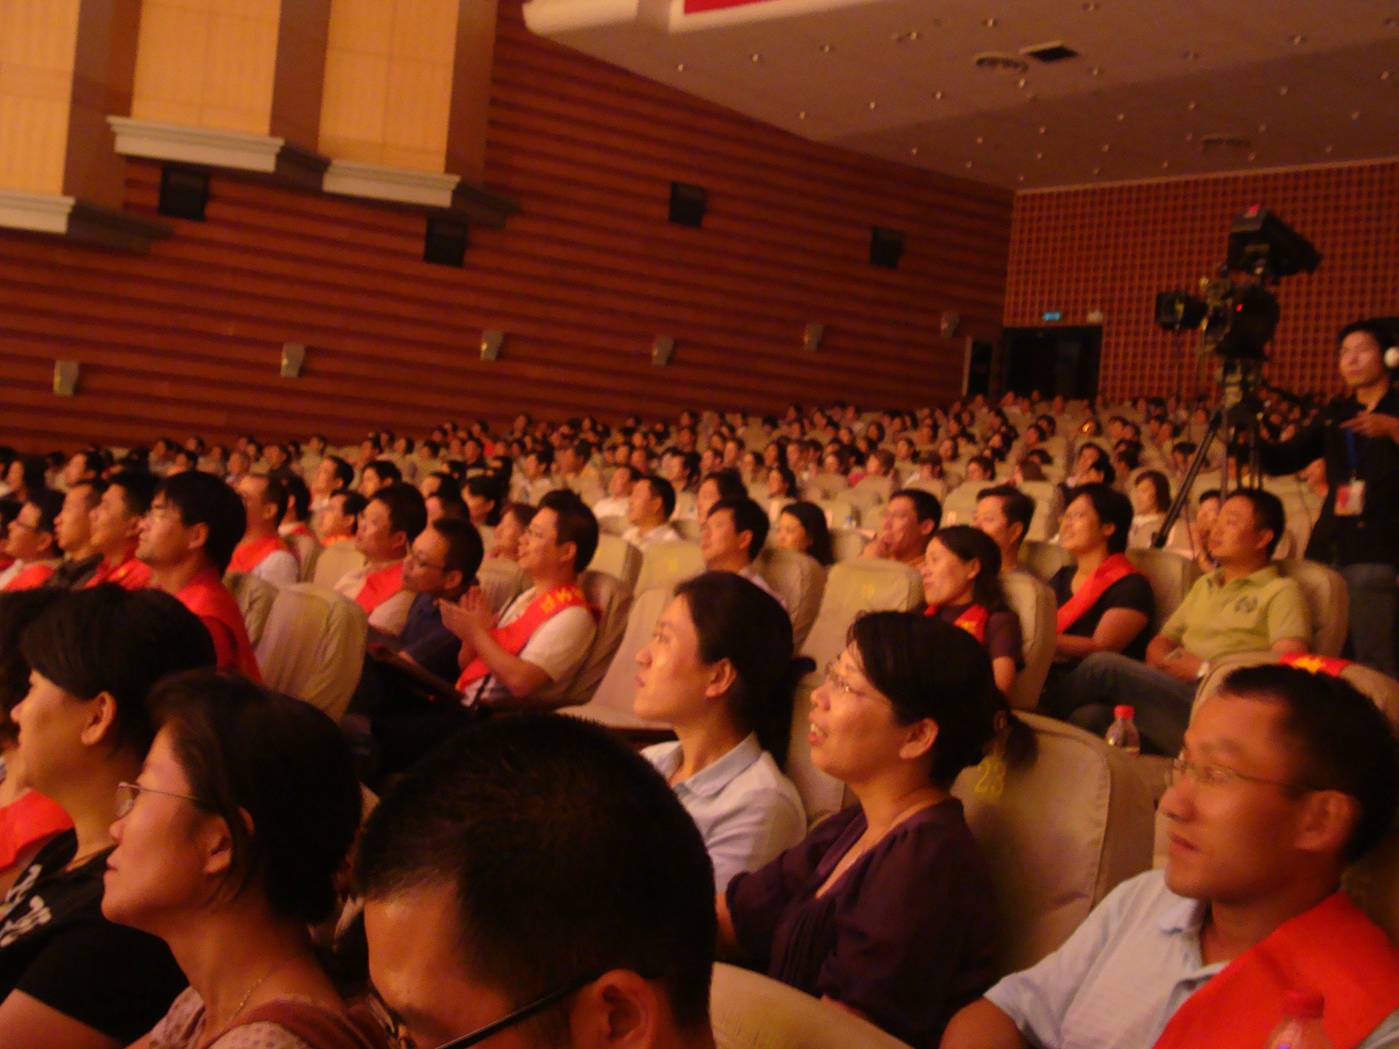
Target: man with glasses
[(1284, 780), (472, 934)]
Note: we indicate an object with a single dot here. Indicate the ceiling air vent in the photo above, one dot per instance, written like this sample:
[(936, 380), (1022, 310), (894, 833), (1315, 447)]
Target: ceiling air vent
[(1054, 51), (1000, 62), (1220, 142)]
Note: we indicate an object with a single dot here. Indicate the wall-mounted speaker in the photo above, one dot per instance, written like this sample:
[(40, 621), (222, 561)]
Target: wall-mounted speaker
[(293, 357), (661, 349), (490, 344), (445, 242), (886, 247), (812, 336), (65, 378), (687, 204), (184, 193), (948, 324)]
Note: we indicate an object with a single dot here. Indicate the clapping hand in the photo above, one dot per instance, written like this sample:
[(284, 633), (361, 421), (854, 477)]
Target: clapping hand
[(470, 617)]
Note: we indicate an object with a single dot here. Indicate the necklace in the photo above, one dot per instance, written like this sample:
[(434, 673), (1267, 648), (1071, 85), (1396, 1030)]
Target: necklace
[(238, 1010)]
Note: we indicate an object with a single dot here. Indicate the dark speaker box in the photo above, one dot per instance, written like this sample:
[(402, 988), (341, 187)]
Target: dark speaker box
[(445, 243), (687, 204), (183, 193), (886, 247)]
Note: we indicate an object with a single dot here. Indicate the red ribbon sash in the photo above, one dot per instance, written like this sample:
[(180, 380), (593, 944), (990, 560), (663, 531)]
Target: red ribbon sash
[(972, 619), (129, 574), (1115, 567), (1314, 664), (250, 553), (515, 635), (207, 597), (379, 586), (1332, 948), (32, 577)]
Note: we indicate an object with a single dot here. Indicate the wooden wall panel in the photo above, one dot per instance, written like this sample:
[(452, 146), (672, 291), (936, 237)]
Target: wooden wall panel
[(581, 279)]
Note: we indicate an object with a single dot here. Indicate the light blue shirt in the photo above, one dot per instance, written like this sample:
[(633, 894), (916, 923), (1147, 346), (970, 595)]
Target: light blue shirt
[(746, 810), (1124, 972)]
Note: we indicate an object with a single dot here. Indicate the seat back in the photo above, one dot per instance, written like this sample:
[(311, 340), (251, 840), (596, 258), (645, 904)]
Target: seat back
[(618, 558), (1045, 521), (612, 524), (1171, 576), (960, 505), (868, 494), (847, 543), (872, 518), (501, 580), (1058, 835), (748, 1010), (313, 646), (1033, 602), (335, 561), (1328, 607), (666, 564), (611, 701), (798, 579), (1044, 559), (852, 587), (829, 485), (255, 597), (307, 549), (688, 528), (822, 795), (612, 598)]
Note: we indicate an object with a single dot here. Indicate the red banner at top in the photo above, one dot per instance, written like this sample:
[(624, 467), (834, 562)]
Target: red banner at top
[(696, 6)]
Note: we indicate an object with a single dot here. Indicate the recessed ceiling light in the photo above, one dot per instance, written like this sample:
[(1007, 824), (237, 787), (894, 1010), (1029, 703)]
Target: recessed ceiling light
[(755, 57), (1262, 128), (1043, 129), (1039, 156), (981, 140), (904, 38), (1096, 71), (1190, 136), (1097, 171), (1253, 156), (1021, 82), (825, 49), (873, 104), (1355, 114), (937, 96), (1165, 164), (801, 115), (990, 23), (1019, 178), (913, 150), (1386, 75), (1330, 149), (1282, 90), (1089, 6), (968, 164), (1190, 56), (1299, 39)]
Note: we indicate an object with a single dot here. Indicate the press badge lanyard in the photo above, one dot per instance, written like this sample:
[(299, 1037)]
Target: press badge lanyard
[(1350, 496)]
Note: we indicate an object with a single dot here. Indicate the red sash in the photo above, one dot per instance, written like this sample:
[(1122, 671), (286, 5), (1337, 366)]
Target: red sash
[(129, 574), (379, 586), (1115, 567), (250, 553), (972, 619), (32, 577), (1315, 664), (207, 597), (515, 635), (1332, 948), (30, 818)]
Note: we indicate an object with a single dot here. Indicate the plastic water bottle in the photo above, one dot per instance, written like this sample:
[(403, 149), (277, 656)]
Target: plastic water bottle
[(1301, 1023), (1123, 732)]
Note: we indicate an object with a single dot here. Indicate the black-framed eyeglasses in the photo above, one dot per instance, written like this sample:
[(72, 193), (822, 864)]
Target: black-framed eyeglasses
[(393, 1026)]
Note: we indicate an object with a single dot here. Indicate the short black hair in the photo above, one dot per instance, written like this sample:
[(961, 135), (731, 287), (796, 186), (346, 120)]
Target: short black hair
[(464, 547), (18, 609), (407, 511), (748, 517), (352, 504), (487, 486), (49, 504), (925, 504), (387, 471), (543, 454), (274, 492), (1018, 507), (138, 489), (298, 496), (1160, 488), (344, 472), (1112, 507), (1377, 329), (505, 806), (1346, 743), (121, 642), (662, 489), (205, 499), (1267, 513), (729, 482), (575, 524)]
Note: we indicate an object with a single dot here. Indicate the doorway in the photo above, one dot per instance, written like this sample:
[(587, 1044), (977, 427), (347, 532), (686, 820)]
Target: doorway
[(1059, 360)]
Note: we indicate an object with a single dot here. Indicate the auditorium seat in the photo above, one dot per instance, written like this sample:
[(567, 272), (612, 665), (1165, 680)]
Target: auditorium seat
[(613, 599), (852, 587), (821, 795), (847, 543), (1045, 522), (307, 549), (1171, 576), (799, 581), (611, 701), (687, 527), (313, 646), (751, 1011), (1327, 603), (872, 518), (869, 493), (669, 563), (960, 504), (840, 512), (618, 558), (1033, 602), (1043, 559), (335, 561), (684, 505), (255, 597), (501, 581), (826, 486), (1058, 835), (612, 524)]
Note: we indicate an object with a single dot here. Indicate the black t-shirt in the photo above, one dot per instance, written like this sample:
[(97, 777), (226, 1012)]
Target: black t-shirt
[(56, 947), (1132, 592)]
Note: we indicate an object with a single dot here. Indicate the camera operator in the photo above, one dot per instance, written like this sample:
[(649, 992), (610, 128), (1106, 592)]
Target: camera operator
[(1358, 531)]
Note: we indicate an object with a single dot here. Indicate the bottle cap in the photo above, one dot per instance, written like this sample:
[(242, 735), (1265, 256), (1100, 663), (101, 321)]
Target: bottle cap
[(1303, 1005), (1124, 711)]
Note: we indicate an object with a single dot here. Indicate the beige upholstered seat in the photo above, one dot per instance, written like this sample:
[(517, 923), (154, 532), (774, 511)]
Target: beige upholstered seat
[(960, 504), (799, 581), (868, 494), (255, 597), (751, 1011), (828, 486), (1044, 559), (847, 543), (684, 504), (688, 527), (335, 561), (1171, 576), (612, 598), (308, 551), (501, 580), (313, 646), (612, 524), (1328, 607), (872, 518), (618, 558), (669, 563), (1045, 521), (821, 795), (852, 587), (1033, 602), (1058, 835), (611, 701)]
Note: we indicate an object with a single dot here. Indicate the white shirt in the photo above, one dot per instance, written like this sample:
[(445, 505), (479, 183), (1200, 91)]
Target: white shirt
[(747, 812), (612, 506), (279, 568), (660, 534), (558, 647)]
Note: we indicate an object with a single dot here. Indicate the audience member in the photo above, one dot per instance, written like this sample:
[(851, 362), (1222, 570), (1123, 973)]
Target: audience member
[(376, 475), (115, 529), (187, 538), (535, 481), (69, 977), (470, 929), (1151, 498), (339, 521), (961, 585), (262, 552), (1004, 513), (720, 672), (732, 536), (1244, 606), (32, 542), (441, 566), (619, 489), (387, 527), (72, 530), (1285, 778), (333, 474), (227, 848), (652, 504), (482, 495), (910, 519), (716, 485), (802, 528), (894, 885)]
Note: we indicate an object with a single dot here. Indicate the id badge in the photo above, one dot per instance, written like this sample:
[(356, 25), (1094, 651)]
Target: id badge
[(1350, 499)]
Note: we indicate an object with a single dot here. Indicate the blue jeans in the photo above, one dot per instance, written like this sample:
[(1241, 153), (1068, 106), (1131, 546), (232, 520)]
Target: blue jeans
[(1088, 693), (1374, 602)]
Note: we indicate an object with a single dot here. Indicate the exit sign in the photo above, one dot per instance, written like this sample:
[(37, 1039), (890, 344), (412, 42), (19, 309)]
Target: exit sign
[(1051, 315)]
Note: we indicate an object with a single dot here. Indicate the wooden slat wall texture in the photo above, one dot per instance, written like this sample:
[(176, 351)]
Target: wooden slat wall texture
[(188, 339)]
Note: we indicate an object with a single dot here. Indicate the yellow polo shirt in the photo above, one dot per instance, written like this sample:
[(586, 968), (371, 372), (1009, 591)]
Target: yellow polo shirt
[(1245, 615)]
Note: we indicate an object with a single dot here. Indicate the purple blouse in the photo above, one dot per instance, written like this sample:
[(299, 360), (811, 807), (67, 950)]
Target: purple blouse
[(905, 935)]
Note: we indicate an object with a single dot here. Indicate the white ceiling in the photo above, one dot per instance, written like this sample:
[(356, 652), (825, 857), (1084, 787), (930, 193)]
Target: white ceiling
[(1303, 81)]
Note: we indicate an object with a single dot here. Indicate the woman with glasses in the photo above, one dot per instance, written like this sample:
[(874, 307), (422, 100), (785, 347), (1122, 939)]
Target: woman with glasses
[(883, 909), (69, 977), (720, 671), (227, 847)]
